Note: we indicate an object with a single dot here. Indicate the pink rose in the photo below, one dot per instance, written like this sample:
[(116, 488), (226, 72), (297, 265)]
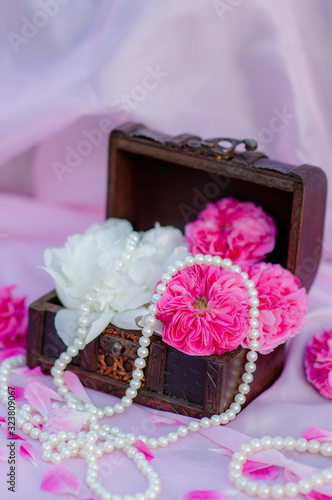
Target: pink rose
[(318, 363), (283, 305), (205, 311), (238, 230), (13, 319)]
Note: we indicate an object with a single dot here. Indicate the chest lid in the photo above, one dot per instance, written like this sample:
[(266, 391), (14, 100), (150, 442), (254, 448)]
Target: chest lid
[(157, 178)]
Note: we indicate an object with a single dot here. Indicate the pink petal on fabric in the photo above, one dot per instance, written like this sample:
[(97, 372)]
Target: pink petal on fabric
[(65, 420), (317, 433), (141, 446), (208, 494), (40, 396), (27, 452), (60, 481), (9, 353), (330, 379), (19, 392), (265, 473), (315, 495), (222, 451), (75, 386), (2, 419), (11, 436), (162, 420), (25, 370)]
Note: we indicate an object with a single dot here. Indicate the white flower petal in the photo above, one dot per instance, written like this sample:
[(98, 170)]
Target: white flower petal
[(127, 319)]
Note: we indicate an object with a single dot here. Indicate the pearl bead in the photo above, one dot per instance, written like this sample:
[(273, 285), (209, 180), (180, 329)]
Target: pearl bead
[(72, 351), (140, 363), (215, 420), (152, 443), (263, 490), (172, 270), (55, 372), (227, 263), (230, 413), (161, 289), (182, 431), (241, 482), (327, 475), (251, 488), (208, 260), (190, 260), (250, 367), (244, 388), (326, 449), (44, 437), (254, 302), (217, 260), (150, 320), (35, 433), (277, 491), (199, 258), (56, 458), (27, 427), (62, 390), (254, 334), (224, 418), (126, 401), (65, 358), (236, 268), (173, 437), (60, 364), (304, 486), (137, 374), (247, 378), (254, 323), (240, 398), (155, 297), (142, 352), (118, 408), (233, 475), (278, 443), (314, 446), (79, 343), (109, 411), (256, 444), (289, 443), (163, 441), (152, 309), (254, 345), (205, 423), (58, 381), (83, 321), (144, 341), (131, 393), (249, 284), (135, 384), (267, 442), (252, 292), (147, 331), (194, 426), (82, 333)]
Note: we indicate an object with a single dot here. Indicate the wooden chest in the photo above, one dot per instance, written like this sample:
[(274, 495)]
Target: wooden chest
[(154, 177)]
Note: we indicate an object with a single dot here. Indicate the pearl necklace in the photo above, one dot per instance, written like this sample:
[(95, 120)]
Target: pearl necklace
[(84, 444)]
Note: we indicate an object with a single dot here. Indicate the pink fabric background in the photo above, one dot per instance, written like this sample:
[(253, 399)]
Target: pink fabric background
[(229, 68)]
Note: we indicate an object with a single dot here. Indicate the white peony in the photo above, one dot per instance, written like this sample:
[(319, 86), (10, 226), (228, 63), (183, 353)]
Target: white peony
[(90, 259)]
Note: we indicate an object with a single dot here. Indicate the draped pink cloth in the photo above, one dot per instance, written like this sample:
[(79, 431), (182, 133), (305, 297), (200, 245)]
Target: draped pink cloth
[(73, 69)]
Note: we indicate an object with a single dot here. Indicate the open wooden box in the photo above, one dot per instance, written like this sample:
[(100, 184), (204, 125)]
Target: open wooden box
[(153, 177)]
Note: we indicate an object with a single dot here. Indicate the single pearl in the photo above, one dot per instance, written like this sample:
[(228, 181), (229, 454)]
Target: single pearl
[(250, 367), (118, 408), (109, 411), (126, 401), (35, 433), (135, 384), (173, 437), (205, 423), (163, 441), (190, 260), (194, 426), (249, 284), (326, 449), (236, 407), (131, 393), (327, 475), (55, 372), (182, 431), (72, 351), (246, 448), (289, 443), (235, 465), (199, 258), (150, 320), (161, 288), (137, 374), (241, 482), (227, 263), (172, 270), (230, 413), (83, 321), (251, 488), (155, 297), (215, 420), (254, 345), (152, 443), (263, 490), (252, 292), (62, 390), (304, 486), (301, 444), (147, 331), (208, 259), (247, 378), (56, 458), (256, 444), (236, 268), (224, 418), (142, 352), (277, 491), (144, 341), (267, 442), (217, 260), (79, 343), (58, 381), (278, 443), (314, 446), (317, 481), (244, 388), (240, 398), (254, 323), (233, 475), (254, 334), (152, 309), (254, 302), (44, 437)]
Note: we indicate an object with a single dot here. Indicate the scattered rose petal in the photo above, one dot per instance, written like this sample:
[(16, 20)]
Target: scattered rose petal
[(19, 392), (222, 451), (162, 420), (262, 473), (75, 386), (40, 395), (2, 419), (141, 446), (27, 452), (13, 351), (208, 494), (25, 370), (11, 436), (65, 420), (315, 495), (317, 433), (60, 481)]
